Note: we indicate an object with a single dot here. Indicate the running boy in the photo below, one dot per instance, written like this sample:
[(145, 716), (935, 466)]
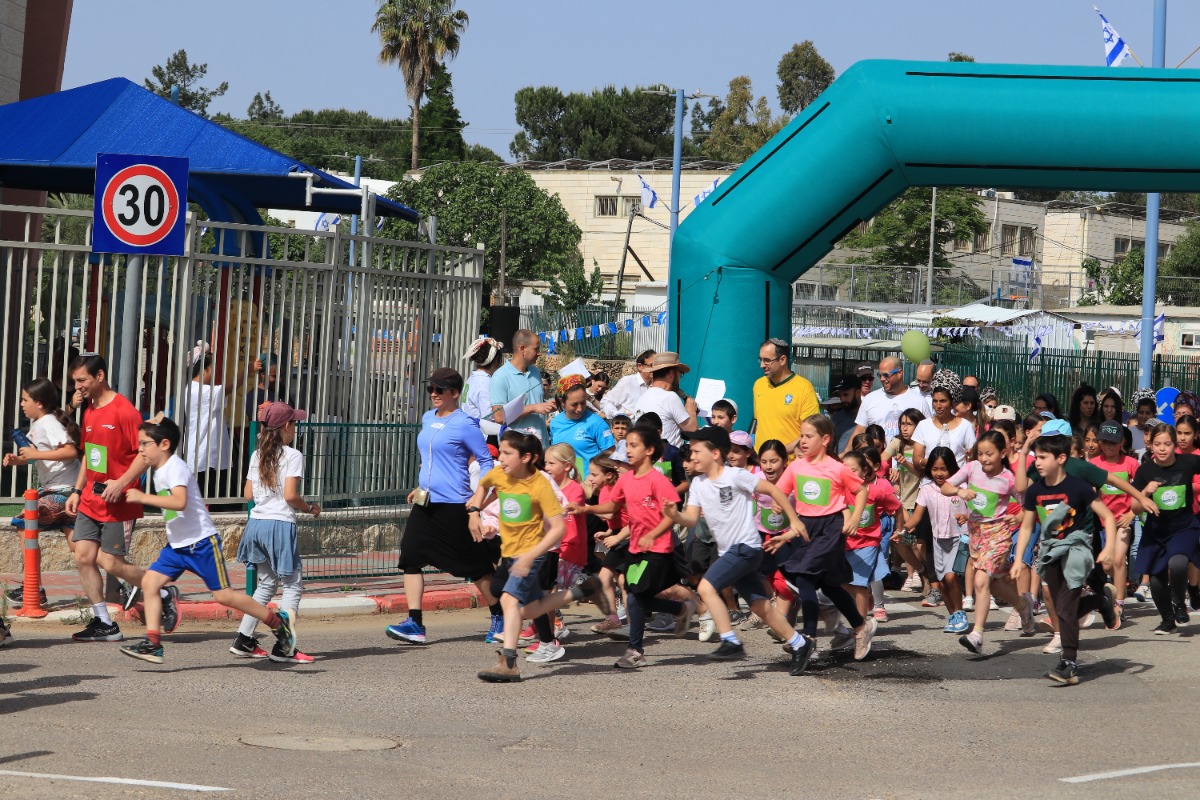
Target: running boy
[(193, 544)]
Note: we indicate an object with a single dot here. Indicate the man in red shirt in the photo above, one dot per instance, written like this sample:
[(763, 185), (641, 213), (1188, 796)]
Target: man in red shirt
[(110, 466)]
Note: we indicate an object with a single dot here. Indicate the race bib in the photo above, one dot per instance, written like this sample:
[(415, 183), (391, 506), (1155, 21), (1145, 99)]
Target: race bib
[(984, 503), (664, 468), (770, 520), (1110, 489), (1170, 498), (908, 455), (96, 457), (168, 514), (515, 508), (1044, 511), (579, 473), (868, 518), (813, 491)]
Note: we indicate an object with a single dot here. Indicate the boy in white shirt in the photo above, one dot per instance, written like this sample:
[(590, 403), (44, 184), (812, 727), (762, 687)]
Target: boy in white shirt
[(193, 544)]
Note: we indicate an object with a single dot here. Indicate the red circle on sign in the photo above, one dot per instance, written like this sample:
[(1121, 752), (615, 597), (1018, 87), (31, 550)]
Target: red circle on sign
[(170, 212)]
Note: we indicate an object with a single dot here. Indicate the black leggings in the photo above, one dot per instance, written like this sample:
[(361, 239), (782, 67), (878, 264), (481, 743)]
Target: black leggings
[(1168, 587), (810, 608), (638, 605)]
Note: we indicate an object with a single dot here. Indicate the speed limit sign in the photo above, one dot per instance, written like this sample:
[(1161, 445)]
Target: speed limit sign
[(140, 204)]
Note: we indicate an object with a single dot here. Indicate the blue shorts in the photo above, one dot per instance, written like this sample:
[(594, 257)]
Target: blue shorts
[(864, 563), (526, 589), (738, 568), (1030, 549), (204, 559)]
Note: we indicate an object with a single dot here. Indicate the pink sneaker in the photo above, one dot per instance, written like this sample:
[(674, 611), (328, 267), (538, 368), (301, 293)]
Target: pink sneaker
[(880, 614)]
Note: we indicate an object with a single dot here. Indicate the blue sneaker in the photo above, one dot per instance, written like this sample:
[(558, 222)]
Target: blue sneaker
[(949, 627), (959, 619), (495, 632), (407, 631)]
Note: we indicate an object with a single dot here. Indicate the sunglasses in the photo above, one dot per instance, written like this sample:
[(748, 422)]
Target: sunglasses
[(890, 374), (431, 389)]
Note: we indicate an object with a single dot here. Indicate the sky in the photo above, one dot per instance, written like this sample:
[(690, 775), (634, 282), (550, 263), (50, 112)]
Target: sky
[(312, 54)]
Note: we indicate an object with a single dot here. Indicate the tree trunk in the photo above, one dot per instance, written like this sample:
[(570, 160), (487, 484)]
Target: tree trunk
[(416, 116)]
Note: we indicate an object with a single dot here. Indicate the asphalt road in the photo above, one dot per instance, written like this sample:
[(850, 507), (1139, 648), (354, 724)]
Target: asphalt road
[(921, 718)]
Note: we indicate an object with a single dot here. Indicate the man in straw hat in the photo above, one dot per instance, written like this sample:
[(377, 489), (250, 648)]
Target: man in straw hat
[(663, 398)]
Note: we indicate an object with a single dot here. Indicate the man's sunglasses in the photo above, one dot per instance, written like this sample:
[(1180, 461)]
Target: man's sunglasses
[(890, 374)]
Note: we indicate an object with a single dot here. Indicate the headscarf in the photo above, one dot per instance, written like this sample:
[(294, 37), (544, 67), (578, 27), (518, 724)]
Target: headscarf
[(198, 352), (566, 384), (1190, 399), (490, 345), (947, 381), (1141, 394), (988, 393)]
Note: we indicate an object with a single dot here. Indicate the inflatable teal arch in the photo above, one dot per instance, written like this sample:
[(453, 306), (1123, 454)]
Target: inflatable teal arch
[(887, 125)]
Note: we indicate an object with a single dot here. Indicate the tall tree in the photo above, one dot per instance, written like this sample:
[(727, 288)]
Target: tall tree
[(442, 131), (954, 55), (263, 109), (1119, 283), (417, 35), (899, 234), (803, 75), (179, 72), (606, 123), (743, 125)]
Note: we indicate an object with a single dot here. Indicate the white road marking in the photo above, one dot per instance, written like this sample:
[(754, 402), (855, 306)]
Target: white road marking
[(187, 787), (1123, 773)]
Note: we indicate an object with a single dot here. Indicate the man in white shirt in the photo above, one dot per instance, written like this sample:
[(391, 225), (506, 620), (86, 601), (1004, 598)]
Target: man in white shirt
[(663, 399), (623, 398), (924, 381), (884, 406)]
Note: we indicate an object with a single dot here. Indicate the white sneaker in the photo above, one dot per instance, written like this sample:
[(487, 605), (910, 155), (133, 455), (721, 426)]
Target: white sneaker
[(707, 627), (546, 652), (621, 611), (1054, 645), (994, 605), (1087, 620), (969, 603), (561, 631)]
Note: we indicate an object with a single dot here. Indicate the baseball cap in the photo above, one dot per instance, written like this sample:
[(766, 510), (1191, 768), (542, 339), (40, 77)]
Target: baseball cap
[(1047, 415), (716, 436), (1111, 432), (846, 382), (1056, 427), (741, 439), (1004, 412), (446, 378), (864, 370), (276, 415)]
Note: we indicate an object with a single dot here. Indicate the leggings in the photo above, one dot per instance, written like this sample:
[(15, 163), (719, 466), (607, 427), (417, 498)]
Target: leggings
[(806, 589), (268, 582), (637, 608), (1168, 586)]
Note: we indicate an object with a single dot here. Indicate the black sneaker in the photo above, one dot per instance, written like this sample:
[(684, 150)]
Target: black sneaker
[(1181, 614), (728, 651), (295, 657), (170, 610), (97, 631), (247, 647), (129, 594), (16, 598), (1066, 673), (1193, 597), (1165, 627), (800, 657), (144, 650), (1107, 613)]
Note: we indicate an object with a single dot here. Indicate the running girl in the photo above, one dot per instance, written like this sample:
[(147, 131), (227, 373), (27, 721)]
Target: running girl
[(947, 518), (1115, 462), (864, 544), (614, 545), (53, 449), (907, 477)]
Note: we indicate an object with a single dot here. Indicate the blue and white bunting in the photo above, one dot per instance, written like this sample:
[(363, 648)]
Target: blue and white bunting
[(1115, 49)]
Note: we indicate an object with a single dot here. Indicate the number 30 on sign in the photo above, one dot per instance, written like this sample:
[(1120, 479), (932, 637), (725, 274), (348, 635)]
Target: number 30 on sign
[(141, 204)]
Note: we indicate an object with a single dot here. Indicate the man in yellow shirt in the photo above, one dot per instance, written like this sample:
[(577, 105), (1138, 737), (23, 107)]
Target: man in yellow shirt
[(782, 399)]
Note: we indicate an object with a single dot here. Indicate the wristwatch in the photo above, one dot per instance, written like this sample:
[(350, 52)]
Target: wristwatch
[(472, 509), (76, 491)]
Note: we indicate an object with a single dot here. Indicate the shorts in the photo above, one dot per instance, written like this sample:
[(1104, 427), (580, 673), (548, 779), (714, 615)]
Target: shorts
[(568, 574), (647, 574), (863, 562), (110, 535), (701, 553), (945, 556), (738, 567), (991, 543), (1030, 554), (438, 535), (617, 557), (205, 559), (525, 589), (548, 573), (52, 511)]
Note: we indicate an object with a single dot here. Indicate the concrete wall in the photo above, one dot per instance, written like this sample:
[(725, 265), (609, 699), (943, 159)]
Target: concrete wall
[(12, 48)]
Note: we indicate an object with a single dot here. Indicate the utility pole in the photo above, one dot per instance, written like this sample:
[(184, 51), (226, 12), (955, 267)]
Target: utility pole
[(932, 250), (1150, 273), (503, 251)]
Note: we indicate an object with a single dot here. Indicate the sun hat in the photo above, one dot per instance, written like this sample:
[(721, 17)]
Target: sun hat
[(668, 360)]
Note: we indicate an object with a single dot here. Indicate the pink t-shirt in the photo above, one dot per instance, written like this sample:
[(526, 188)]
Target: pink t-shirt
[(767, 521), (573, 547), (820, 487), (992, 494), (618, 520), (643, 498), (881, 499), (1117, 501), (942, 511)]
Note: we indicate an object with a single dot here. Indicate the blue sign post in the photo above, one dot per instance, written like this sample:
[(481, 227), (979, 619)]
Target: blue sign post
[(1165, 399), (141, 205)]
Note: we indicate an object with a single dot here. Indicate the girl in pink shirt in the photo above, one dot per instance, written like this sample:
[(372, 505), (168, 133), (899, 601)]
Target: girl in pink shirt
[(830, 500), (863, 545)]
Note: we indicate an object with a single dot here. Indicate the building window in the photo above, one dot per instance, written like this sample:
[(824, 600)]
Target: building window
[(1123, 245), (633, 205), (1191, 340), (962, 245), (1008, 240), (606, 206), (983, 242), (1026, 242)]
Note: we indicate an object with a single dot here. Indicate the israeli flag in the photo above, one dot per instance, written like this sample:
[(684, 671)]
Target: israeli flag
[(1160, 325), (327, 221), (1115, 49), (698, 199), (649, 196), (1037, 348)]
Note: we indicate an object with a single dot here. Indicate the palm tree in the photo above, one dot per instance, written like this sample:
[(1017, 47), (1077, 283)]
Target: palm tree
[(417, 35)]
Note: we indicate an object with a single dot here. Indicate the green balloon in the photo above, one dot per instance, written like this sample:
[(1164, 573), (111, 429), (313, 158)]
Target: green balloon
[(915, 346)]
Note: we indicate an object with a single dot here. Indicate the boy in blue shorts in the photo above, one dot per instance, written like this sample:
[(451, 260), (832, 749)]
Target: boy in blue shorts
[(193, 544)]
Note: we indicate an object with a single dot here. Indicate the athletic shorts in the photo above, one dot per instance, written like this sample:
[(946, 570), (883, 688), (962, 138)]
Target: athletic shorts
[(205, 559), (110, 535), (945, 554), (526, 589), (617, 558), (738, 567), (863, 562), (438, 536)]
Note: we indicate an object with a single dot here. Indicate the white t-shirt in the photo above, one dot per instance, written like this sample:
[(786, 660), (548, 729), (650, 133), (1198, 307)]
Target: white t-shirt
[(623, 397), (208, 445), (47, 433), (728, 506), (669, 408), (193, 523), (880, 408), (268, 500), (477, 402), (960, 440)]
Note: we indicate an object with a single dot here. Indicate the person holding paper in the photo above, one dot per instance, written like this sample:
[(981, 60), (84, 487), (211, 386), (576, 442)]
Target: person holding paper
[(782, 399), (623, 397), (663, 398), (520, 378)]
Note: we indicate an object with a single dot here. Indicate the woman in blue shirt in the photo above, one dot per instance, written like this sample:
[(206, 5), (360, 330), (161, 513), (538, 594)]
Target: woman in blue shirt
[(438, 533), (578, 425)]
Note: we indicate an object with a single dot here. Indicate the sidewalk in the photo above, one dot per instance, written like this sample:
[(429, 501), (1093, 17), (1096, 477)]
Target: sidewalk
[(323, 597)]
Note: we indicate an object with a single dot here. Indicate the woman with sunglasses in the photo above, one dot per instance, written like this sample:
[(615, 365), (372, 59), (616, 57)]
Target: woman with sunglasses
[(438, 533)]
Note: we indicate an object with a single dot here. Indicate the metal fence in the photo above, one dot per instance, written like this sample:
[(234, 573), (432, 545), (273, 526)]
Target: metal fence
[(346, 327), (615, 346)]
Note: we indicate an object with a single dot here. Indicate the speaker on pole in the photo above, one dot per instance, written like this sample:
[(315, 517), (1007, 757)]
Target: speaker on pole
[(504, 321)]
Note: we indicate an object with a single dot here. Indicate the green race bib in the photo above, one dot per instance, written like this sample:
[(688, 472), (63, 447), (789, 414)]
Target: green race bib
[(770, 520), (813, 491), (1044, 511), (516, 508), (633, 574), (984, 504), (1170, 498), (1110, 489), (664, 467), (908, 455), (868, 518), (168, 514), (580, 474), (96, 457)]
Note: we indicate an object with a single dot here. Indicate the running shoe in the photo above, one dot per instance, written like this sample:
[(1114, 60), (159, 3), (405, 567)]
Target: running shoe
[(495, 632), (1087, 620), (949, 626), (560, 631), (501, 672), (631, 660), (279, 655), (683, 622), (959, 623), (863, 637), (528, 635), (608, 625), (707, 628), (1024, 608), (170, 610), (661, 622), (842, 639), (285, 634), (1066, 673), (1165, 627), (1013, 623), (621, 613), (1118, 616), (407, 631), (591, 589), (968, 603), (1044, 625), (829, 617), (145, 651), (728, 651), (880, 614), (247, 647), (546, 652), (1193, 597), (1143, 594), (913, 584), (1108, 614), (97, 631), (801, 655), (1181, 614), (932, 600), (16, 598), (994, 606), (973, 641), (752, 622), (128, 593), (1054, 646)]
